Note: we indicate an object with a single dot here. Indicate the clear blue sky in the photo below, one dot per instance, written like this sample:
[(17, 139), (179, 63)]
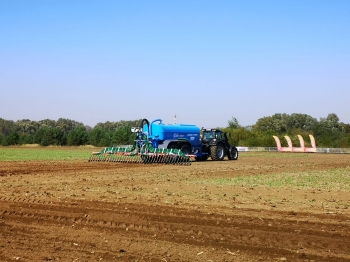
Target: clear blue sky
[(205, 61)]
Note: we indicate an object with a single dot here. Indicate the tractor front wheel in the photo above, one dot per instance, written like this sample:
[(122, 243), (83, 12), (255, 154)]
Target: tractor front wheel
[(233, 153)]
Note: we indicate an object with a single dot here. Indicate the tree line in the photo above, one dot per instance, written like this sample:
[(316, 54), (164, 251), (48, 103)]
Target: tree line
[(65, 132), (328, 131)]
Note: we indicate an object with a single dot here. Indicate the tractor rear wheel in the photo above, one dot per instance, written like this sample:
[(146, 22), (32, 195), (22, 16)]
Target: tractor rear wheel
[(217, 152)]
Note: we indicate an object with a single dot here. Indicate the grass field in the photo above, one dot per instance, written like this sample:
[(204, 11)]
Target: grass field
[(45, 153), (336, 179)]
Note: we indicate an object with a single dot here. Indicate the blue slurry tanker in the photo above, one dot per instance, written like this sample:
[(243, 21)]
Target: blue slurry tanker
[(177, 136)]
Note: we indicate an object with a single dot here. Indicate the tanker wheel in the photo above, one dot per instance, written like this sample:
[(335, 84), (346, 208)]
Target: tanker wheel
[(233, 153), (185, 149), (172, 146), (217, 152)]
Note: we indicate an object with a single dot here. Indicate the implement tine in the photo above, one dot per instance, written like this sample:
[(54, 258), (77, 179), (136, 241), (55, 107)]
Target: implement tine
[(161, 158), (175, 159), (144, 158), (164, 158), (149, 159), (154, 158)]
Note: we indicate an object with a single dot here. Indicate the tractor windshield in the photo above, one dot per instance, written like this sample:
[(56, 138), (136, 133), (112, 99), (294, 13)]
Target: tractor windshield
[(209, 135)]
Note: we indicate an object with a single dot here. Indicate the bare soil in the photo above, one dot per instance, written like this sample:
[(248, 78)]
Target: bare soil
[(95, 211)]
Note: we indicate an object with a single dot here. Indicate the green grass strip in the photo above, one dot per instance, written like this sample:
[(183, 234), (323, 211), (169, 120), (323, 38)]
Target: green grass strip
[(274, 155), (44, 153), (338, 178)]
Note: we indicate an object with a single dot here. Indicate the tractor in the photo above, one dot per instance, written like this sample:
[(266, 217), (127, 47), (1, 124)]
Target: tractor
[(214, 144)]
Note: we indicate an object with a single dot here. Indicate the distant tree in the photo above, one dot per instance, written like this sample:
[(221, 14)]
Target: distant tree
[(26, 139), (276, 123), (233, 123), (6, 126), (346, 128), (329, 132), (238, 136), (67, 125), (47, 123), (88, 128), (13, 138), (77, 137), (46, 136), (123, 136), (4, 141), (107, 139), (95, 136), (115, 125), (300, 121), (330, 123), (26, 126)]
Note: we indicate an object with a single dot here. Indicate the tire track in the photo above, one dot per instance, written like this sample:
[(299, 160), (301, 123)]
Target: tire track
[(177, 225)]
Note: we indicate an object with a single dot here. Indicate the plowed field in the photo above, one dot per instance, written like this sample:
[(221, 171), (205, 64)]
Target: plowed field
[(94, 211)]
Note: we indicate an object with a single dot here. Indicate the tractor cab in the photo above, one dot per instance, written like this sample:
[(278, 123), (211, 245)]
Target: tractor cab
[(212, 135)]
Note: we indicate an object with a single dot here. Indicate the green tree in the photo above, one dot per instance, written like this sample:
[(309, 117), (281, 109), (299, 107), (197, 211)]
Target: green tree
[(26, 139), (123, 136), (300, 121), (95, 136), (6, 126), (77, 137), (276, 123), (4, 141), (49, 136), (107, 139), (67, 125), (100, 136), (13, 138), (329, 132), (233, 123)]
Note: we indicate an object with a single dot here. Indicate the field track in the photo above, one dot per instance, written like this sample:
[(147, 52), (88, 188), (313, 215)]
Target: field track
[(93, 211)]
